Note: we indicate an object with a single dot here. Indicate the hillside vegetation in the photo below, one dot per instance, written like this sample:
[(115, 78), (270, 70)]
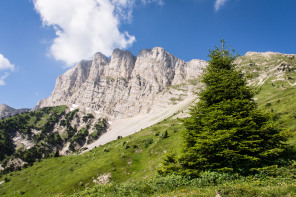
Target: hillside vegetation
[(128, 166), (45, 133), (274, 76)]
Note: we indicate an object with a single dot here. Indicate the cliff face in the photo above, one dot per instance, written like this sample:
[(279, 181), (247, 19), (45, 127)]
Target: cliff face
[(124, 85)]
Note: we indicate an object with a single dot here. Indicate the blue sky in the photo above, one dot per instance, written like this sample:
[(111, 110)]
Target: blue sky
[(41, 39)]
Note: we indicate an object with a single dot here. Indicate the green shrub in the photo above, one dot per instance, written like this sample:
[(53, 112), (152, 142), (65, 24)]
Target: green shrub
[(100, 128), (87, 117), (70, 115)]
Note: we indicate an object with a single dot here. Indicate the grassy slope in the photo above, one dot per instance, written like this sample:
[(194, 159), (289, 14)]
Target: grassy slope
[(66, 175), (279, 97)]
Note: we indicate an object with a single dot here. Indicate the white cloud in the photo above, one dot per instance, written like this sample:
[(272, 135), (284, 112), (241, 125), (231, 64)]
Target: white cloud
[(159, 2), (219, 4), (123, 9), (84, 27), (5, 64), (2, 82)]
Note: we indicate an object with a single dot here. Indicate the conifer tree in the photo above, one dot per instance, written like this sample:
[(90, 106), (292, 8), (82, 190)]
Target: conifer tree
[(226, 132)]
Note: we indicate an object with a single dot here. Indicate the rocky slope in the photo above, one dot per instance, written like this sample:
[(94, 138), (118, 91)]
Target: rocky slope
[(260, 68), (125, 86), (6, 111), (50, 131)]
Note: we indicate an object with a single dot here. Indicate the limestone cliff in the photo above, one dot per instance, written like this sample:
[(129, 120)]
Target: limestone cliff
[(124, 85)]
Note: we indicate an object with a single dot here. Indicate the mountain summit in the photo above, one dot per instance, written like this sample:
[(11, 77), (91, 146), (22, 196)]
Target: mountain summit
[(6, 111)]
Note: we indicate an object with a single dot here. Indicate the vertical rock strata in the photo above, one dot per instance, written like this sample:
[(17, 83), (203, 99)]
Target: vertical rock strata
[(124, 85)]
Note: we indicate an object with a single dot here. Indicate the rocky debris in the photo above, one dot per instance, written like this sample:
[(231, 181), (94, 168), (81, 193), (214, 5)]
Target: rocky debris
[(127, 126), (124, 85), (14, 163), (6, 111), (21, 142), (103, 179)]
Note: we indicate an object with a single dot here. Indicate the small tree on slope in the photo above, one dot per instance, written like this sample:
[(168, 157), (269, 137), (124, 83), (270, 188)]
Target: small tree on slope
[(226, 132)]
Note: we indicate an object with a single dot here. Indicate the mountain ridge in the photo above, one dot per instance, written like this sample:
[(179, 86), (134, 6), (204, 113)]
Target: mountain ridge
[(7, 111), (115, 86)]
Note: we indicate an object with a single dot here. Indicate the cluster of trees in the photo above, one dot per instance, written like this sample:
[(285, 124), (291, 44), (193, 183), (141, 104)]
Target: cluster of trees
[(46, 141), (100, 128), (78, 138), (226, 132), (87, 117), (6, 144)]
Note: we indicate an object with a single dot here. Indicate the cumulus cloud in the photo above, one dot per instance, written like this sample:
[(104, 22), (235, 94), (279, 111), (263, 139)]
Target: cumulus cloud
[(84, 27), (5, 65), (219, 4)]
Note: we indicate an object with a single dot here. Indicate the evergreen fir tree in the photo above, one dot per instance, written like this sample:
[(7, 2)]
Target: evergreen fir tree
[(226, 132)]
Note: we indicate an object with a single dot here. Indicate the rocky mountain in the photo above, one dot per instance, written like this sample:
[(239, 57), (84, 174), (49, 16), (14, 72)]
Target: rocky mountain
[(136, 92), (111, 98), (6, 111), (124, 85), (99, 101)]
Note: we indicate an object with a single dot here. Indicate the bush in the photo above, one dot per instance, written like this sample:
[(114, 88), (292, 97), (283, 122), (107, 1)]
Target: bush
[(70, 115), (148, 141), (165, 135), (87, 117)]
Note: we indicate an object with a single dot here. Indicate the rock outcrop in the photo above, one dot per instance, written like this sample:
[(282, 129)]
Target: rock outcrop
[(6, 111), (124, 85), (261, 67)]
